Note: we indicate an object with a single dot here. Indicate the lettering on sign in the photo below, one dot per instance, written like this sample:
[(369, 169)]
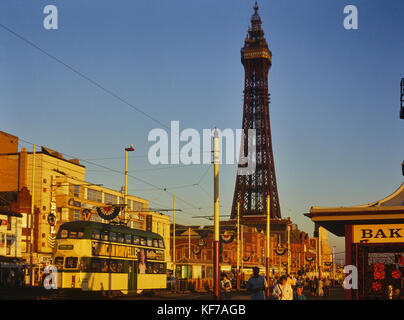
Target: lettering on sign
[(378, 233), (113, 250)]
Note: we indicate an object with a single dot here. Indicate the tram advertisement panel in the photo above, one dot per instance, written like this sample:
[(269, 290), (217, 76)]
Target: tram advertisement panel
[(113, 250), (378, 233)]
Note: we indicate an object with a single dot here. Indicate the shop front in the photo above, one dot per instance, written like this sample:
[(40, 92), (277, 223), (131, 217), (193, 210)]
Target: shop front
[(374, 245), (378, 252), (12, 272)]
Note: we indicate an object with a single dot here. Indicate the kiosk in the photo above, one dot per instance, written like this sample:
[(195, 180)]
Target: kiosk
[(374, 244)]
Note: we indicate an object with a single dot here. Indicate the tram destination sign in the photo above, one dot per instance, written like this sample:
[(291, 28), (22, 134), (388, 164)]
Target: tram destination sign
[(378, 233)]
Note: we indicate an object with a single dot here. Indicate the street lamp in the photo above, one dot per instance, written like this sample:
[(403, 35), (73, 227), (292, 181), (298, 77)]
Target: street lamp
[(268, 245), (238, 246), (126, 180), (216, 267), (31, 237)]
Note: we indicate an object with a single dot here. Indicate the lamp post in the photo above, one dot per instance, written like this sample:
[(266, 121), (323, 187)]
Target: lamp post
[(333, 262), (316, 256), (320, 252), (31, 240), (173, 257), (238, 246), (242, 252), (216, 267), (126, 181), (189, 243), (268, 246), (289, 253)]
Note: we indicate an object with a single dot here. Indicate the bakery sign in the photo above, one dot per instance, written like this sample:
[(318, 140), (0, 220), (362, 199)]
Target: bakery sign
[(378, 233)]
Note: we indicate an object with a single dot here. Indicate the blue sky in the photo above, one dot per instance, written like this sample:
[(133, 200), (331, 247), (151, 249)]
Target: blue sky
[(336, 132)]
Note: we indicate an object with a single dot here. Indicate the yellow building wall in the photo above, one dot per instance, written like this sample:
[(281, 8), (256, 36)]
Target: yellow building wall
[(47, 168), (161, 225)]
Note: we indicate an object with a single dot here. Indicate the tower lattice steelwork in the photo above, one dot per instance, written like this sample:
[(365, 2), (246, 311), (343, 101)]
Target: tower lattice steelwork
[(252, 190)]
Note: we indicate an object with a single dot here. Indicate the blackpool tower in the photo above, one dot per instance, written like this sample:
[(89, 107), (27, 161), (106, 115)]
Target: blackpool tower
[(251, 190)]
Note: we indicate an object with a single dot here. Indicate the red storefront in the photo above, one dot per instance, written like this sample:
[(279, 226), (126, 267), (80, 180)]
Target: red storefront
[(374, 244)]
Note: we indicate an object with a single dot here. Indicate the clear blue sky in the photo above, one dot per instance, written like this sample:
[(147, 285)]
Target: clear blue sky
[(336, 131)]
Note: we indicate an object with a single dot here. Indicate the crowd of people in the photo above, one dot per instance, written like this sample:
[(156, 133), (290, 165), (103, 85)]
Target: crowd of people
[(285, 287)]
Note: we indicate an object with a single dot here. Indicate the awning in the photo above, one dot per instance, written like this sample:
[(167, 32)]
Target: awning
[(389, 210)]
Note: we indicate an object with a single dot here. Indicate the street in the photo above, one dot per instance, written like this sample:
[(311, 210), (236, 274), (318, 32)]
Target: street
[(42, 294)]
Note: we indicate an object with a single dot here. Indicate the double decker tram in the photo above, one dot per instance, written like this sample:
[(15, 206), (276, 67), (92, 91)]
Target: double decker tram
[(94, 256)]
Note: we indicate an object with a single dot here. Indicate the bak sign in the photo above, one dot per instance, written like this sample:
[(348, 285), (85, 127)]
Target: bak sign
[(378, 233)]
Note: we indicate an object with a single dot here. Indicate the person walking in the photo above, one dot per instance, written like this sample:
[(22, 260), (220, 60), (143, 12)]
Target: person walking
[(283, 290), (320, 288), (299, 293), (315, 286), (256, 285), (226, 287), (293, 282), (327, 286), (274, 282)]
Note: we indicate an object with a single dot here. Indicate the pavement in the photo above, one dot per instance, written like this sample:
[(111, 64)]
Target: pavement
[(335, 294), (42, 294)]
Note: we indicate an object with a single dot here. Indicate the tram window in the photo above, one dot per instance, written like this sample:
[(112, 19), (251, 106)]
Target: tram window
[(112, 236), (80, 234), (149, 242), (155, 243), (104, 265), (84, 264), (96, 265), (155, 268), (136, 240), (128, 238), (142, 241), (149, 267), (115, 266), (104, 235), (95, 235), (73, 234), (59, 262), (161, 244), (120, 266), (71, 263), (64, 233), (209, 272), (120, 237)]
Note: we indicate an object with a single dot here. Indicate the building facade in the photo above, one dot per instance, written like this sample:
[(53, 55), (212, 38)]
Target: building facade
[(60, 190), (12, 266), (194, 252)]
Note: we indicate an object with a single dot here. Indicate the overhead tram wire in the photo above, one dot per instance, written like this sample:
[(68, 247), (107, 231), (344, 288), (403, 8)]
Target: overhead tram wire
[(117, 171), (110, 92), (120, 172), (83, 76), (134, 156)]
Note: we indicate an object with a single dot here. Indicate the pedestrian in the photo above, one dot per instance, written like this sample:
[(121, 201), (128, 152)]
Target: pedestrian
[(289, 279), (274, 281), (226, 287), (256, 285), (313, 286), (327, 286), (299, 293), (283, 290), (320, 288), (306, 283), (294, 281)]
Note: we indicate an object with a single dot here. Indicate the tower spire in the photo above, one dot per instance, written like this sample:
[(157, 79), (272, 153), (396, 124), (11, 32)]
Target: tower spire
[(251, 190)]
